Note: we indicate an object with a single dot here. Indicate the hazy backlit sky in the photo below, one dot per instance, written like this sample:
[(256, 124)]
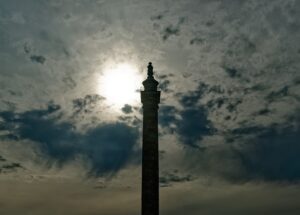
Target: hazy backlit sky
[(70, 111)]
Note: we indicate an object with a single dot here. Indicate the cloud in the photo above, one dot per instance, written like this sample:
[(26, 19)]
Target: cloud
[(197, 41), (68, 80), (263, 112), (168, 178), (127, 109), (172, 30), (274, 95), (232, 106), (164, 85), (272, 154), (251, 151), (107, 147), (191, 98), (216, 103), (191, 123), (254, 153), (233, 73), (2, 159), (10, 167), (110, 146), (169, 31), (38, 59), (86, 104), (157, 17), (167, 115), (193, 126)]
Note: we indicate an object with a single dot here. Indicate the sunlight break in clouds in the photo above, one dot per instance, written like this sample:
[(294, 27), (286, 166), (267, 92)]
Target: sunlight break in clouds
[(119, 84)]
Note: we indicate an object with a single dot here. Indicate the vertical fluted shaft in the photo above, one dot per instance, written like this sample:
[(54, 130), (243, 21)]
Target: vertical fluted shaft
[(150, 169)]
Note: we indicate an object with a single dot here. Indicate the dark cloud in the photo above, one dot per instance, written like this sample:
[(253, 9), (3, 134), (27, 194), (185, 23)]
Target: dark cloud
[(240, 46), (108, 147), (167, 115), (191, 98), (227, 117), (273, 154), (255, 88), (164, 85), (217, 99), (169, 31), (27, 49), (127, 109), (86, 104), (38, 59), (168, 178), (297, 80), (216, 89), (253, 152), (258, 153), (232, 106), (232, 72), (68, 80), (209, 23), (157, 17), (197, 41), (164, 82), (194, 125), (247, 130), (131, 120), (172, 30), (270, 154), (2, 159), (52, 107), (126, 119), (216, 103), (263, 112), (9, 167), (278, 94), (12, 166), (54, 139)]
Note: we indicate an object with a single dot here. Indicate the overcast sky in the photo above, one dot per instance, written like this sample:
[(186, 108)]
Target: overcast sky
[(229, 117)]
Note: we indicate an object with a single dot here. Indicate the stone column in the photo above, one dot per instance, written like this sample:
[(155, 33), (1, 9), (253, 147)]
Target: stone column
[(150, 167)]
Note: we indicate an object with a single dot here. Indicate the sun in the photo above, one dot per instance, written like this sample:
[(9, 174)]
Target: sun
[(119, 84)]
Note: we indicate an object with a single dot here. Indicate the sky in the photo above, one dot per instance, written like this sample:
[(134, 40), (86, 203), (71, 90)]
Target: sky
[(71, 116)]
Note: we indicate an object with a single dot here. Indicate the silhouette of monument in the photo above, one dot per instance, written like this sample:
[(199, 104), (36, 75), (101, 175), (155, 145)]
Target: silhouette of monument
[(150, 175)]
